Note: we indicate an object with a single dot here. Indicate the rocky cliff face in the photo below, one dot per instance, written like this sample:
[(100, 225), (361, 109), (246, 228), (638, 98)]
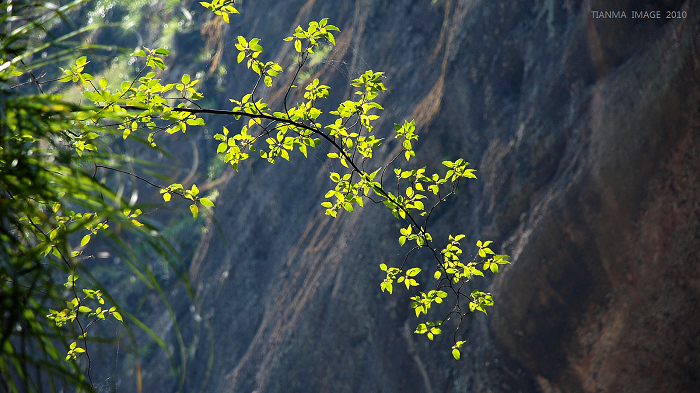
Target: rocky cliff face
[(586, 136)]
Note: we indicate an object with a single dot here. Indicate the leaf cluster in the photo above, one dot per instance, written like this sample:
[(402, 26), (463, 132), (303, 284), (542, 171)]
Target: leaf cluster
[(51, 199)]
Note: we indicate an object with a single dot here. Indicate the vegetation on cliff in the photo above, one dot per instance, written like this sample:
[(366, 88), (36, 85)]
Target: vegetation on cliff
[(61, 158)]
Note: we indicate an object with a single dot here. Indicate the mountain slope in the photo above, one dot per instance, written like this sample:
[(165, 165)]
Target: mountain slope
[(585, 135)]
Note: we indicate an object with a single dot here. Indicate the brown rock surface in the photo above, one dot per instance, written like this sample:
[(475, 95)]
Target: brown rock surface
[(586, 136)]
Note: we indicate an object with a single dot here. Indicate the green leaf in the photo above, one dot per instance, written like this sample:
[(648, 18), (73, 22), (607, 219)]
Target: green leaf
[(86, 240), (500, 259), (159, 63), (413, 272), (206, 202), (195, 210), (386, 286), (118, 316), (456, 353)]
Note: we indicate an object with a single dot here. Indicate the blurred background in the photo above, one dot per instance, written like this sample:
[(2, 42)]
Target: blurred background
[(585, 133)]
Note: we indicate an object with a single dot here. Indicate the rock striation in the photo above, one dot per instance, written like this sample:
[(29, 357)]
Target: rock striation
[(586, 135)]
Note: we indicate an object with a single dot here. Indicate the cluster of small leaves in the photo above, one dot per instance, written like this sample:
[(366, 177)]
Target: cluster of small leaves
[(192, 194), (430, 328), (347, 193), (281, 131), (77, 306), (451, 273), (401, 205), (423, 302), (307, 40), (75, 73), (455, 349), (55, 243), (221, 7), (55, 238), (251, 50), (131, 216), (147, 94), (277, 134), (393, 272), (479, 300), (350, 134), (144, 93)]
